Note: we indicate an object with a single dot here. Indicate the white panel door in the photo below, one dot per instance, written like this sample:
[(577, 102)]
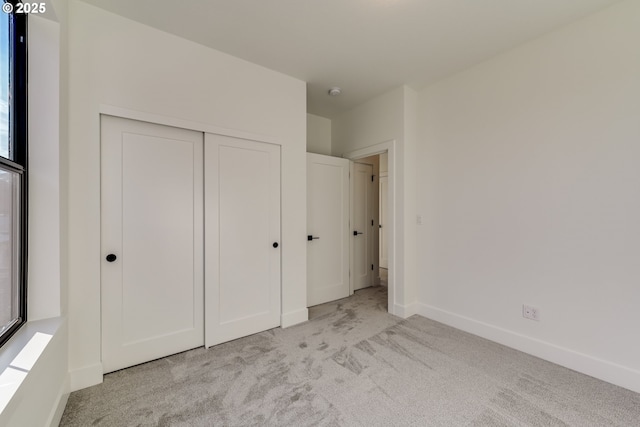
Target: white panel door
[(361, 225), (327, 228), (152, 223), (384, 181), (242, 238)]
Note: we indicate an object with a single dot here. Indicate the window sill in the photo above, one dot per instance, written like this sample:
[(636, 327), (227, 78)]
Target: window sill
[(21, 354)]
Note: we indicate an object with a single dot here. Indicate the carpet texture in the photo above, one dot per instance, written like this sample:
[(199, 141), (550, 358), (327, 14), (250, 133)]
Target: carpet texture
[(353, 364)]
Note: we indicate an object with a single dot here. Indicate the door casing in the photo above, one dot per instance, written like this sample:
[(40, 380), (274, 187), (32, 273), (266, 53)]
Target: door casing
[(383, 189)]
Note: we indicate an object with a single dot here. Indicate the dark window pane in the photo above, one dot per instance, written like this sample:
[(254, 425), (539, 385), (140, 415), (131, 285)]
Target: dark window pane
[(13, 157)]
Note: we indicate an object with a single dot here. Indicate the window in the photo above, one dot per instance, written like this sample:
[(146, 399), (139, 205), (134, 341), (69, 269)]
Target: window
[(13, 172)]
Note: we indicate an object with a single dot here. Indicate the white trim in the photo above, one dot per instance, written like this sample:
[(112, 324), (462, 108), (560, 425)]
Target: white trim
[(371, 150), (85, 377), (294, 317), (406, 311), (125, 113), (352, 250), (589, 365), (58, 410), (390, 148)]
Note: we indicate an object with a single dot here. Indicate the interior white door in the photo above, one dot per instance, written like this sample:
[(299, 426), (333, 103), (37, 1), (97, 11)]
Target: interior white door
[(384, 181), (242, 238), (361, 224), (152, 241), (327, 228)]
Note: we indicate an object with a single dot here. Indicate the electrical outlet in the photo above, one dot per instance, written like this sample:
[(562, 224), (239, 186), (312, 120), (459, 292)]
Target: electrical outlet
[(419, 219), (529, 312)]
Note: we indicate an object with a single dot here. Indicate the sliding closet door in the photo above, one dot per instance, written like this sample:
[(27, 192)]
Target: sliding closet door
[(242, 238), (152, 241)]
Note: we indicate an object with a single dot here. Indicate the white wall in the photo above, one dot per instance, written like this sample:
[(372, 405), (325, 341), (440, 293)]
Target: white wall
[(390, 117), (61, 9), (378, 120), (44, 174), (528, 180), (318, 135), (123, 64), (407, 179)]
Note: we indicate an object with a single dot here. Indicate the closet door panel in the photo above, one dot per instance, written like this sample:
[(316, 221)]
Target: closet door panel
[(242, 238), (152, 241)]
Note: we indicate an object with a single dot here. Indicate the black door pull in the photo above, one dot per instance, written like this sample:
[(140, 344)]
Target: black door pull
[(310, 237), (111, 257), (275, 244), (355, 233)]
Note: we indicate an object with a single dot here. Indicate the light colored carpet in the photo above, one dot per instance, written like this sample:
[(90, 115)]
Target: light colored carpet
[(353, 364)]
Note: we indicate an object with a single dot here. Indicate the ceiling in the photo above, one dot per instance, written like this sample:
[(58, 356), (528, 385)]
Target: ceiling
[(366, 47)]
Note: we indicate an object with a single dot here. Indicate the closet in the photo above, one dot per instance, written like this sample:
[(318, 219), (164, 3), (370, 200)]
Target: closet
[(190, 240)]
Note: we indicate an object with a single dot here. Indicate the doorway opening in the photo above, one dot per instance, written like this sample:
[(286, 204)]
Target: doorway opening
[(347, 242), (376, 211), (385, 255)]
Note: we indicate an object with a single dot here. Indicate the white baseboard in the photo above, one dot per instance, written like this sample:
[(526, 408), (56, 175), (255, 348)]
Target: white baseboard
[(58, 409), (85, 377), (294, 317), (589, 365), (406, 311)]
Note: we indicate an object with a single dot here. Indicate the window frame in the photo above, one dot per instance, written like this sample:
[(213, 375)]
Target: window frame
[(19, 149)]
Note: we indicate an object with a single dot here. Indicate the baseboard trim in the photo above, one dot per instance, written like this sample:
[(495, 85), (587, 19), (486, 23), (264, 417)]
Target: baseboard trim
[(85, 377), (58, 409), (406, 311), (294, 317), (602, 369)]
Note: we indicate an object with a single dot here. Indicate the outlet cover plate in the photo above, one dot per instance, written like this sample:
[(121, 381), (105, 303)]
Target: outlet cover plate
[(530, 312)]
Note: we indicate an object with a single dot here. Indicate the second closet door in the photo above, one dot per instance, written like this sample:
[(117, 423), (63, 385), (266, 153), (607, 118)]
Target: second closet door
[(242, 237)]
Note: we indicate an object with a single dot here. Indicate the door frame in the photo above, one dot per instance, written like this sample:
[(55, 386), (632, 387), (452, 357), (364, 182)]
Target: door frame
[(385, 175), (390, 148)]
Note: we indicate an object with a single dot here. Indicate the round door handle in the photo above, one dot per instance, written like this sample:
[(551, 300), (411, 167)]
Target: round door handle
[(275, 244), (111, 257)]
